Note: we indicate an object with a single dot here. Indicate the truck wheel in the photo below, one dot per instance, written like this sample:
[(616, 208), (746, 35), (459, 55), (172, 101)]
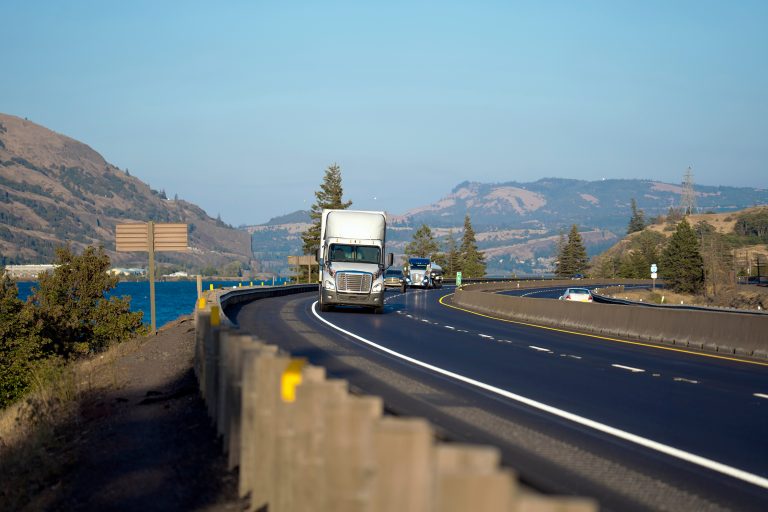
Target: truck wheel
[(378, 310)]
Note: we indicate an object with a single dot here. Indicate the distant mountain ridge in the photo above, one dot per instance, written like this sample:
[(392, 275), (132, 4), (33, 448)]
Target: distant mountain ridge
[(518, 224), (56, 190)]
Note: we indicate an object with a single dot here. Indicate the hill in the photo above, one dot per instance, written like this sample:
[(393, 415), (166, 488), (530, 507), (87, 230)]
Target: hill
[(56, 190), (736, 251), (518, 224)]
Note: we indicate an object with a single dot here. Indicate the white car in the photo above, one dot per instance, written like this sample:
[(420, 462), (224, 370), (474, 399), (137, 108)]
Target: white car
[(577, 294)]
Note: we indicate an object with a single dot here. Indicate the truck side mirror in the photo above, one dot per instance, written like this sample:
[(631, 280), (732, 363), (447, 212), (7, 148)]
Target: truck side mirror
[(390, 259), (319, 255)]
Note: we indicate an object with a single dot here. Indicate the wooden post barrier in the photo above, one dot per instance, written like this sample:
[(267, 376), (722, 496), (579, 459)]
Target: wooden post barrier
[(235, 395), (405, 459), (212, 366), (469, 478), (252, 396), (229, 371), (312, 399), (349, 452), (202, 327), (269, 369), (295, 423)]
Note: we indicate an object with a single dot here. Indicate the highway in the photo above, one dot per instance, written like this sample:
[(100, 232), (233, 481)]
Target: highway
[(638, 427)]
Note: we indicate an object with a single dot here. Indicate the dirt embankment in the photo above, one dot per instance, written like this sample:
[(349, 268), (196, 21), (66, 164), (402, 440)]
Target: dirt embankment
[(126, 430)]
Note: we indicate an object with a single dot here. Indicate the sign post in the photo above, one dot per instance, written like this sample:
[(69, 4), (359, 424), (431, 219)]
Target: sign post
[(308, 260), (654, 275), (150, 237)]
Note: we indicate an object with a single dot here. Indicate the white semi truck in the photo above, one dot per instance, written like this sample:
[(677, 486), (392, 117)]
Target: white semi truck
[(351, 258), (424, 273)]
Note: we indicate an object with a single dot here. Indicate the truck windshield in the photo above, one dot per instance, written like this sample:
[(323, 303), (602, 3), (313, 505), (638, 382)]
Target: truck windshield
[(418, 266), (354, 253)]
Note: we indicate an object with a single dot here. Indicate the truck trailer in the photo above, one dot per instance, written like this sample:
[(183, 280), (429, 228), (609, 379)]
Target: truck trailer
[(352, 259)]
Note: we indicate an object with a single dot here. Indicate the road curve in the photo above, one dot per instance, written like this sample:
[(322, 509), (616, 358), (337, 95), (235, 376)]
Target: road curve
[(715, 410)]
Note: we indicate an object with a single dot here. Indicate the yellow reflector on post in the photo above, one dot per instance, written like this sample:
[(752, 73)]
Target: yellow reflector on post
[(215, 319), (291, 378), (201, 303)]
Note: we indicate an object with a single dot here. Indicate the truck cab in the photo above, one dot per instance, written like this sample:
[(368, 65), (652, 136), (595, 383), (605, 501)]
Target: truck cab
[(352, 259)]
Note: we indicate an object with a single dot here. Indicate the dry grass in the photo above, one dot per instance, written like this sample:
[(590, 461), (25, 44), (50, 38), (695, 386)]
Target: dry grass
[(36, 433), (739, 298)]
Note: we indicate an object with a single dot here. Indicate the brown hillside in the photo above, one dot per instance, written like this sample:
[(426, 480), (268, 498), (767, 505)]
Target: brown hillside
[(56, 190)]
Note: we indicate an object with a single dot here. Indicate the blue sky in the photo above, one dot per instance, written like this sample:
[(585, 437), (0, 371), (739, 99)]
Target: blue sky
[(240, 107)]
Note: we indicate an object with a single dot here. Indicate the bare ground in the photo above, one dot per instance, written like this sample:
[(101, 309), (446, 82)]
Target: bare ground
[(134, 435)]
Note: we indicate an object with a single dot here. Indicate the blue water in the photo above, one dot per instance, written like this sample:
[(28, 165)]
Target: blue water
[(172, 298)]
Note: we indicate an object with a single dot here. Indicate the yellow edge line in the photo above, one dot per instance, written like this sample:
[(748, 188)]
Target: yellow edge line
[(713, 356)]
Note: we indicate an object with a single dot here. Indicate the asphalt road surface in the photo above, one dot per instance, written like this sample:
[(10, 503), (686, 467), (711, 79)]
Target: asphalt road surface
[(636, 426)]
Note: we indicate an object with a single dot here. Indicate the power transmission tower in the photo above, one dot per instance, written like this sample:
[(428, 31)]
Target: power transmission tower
[(688, 199)]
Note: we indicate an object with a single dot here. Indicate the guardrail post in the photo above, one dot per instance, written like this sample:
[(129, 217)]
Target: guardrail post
[(269, 369), (292, 447), (212, 365), (252, 397), (469, 478), (405, 461), (202, 328), (229, 371), (235, 394), (350, 460), (312, 400)]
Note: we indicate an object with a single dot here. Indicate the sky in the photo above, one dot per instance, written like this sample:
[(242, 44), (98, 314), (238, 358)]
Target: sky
[(239, 107)]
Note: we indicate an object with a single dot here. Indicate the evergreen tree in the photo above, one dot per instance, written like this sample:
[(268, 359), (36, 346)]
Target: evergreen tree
[(328, 197), (572, 258), (637, 221), (452, 256), (681, 263), (422, 244), (472, 260), (71, 306)]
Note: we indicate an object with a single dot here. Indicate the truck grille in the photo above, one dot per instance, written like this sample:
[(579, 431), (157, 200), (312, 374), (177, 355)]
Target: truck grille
[(353, 282)]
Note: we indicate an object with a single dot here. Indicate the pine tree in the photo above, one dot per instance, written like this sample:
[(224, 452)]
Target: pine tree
[(422, 244), (637, 221), (452, 256), (472, 260), (328, 197), (681, 263), (572, 258)]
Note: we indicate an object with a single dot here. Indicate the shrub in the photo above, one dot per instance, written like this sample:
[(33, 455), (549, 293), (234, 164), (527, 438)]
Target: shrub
[(70, 304)]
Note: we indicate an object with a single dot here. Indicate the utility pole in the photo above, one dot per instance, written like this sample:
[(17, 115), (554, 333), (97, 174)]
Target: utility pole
[(688, 199)]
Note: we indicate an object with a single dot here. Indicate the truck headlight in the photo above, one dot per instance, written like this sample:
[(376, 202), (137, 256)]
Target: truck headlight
[(329, 285), (377, 286)]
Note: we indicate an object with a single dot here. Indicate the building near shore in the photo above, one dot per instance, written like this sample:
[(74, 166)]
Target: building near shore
[(27, 271)]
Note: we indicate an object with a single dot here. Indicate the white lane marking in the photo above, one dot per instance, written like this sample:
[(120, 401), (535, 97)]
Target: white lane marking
[(581, 420), (540, 349), (449, 327), (485, 336), (682, 379), (761, 395), (633, 370)]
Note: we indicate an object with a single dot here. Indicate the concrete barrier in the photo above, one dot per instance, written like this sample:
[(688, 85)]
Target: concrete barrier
[(723, 332), (317, 447)]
